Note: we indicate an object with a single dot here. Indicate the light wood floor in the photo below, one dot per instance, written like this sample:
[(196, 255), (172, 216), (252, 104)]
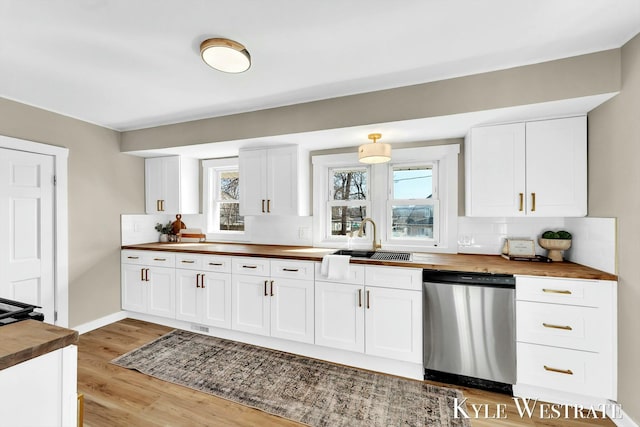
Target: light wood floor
[(116, 396)]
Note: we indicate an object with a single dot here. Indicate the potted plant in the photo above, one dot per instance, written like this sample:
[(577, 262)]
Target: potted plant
[(555, 242), (165, 231)]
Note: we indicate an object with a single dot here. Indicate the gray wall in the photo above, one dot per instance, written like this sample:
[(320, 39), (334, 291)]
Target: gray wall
[(103, 183), (614, 175)]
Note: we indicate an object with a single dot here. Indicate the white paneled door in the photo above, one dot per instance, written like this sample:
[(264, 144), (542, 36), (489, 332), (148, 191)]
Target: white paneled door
[(27, 215)]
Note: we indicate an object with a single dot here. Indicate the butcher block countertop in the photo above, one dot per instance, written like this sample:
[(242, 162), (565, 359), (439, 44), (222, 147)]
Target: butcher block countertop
[(28, 339), (451, 262)]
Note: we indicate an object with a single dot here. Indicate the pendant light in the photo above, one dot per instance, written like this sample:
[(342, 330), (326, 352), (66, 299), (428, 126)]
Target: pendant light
[(374, 152), (225, 55)]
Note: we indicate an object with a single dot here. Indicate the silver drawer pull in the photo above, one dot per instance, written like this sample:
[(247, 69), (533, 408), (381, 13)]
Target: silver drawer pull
[(216, 263), (564, 328), (560, 371), (249, 266), (290, 269), (556, 291), (133, 257), (187, 261), (159, 259)]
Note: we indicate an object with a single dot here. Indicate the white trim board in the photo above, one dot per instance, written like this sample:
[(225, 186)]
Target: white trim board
[(625, 421), (99, 323), (61, 220)]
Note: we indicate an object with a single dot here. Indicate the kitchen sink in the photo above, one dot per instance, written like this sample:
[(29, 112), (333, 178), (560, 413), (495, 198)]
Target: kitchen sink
[(378, 255)]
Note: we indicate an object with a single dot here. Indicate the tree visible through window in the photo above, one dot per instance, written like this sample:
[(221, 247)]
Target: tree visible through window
[(228, 201), (348, 204)]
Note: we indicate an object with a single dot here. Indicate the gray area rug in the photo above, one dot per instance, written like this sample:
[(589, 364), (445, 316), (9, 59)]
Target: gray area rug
[(305, 390)]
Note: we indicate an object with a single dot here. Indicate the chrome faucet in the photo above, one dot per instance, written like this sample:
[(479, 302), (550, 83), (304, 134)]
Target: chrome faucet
[(376, 245)]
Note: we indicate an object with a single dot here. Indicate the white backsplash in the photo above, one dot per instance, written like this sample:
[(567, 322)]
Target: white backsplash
[(594, 242), (137, 229), (272, 230), (487, 235), (593, 238)]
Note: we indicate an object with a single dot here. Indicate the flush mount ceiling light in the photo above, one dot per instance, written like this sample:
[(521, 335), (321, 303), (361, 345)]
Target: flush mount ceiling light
[(225, 55), (374, 152)]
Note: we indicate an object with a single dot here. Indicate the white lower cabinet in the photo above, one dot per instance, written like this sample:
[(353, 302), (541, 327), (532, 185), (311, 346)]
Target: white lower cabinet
[(279, 304), (203, 297), (149, 290), (377, 320), (567, 337)]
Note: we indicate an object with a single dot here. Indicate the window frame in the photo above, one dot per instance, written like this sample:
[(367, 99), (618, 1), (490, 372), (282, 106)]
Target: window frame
[(447, 159), (212, 169), (331, 202), (434, 201)]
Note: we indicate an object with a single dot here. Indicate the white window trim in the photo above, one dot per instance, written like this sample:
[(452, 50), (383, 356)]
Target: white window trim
[(446, 157), (210, 169)]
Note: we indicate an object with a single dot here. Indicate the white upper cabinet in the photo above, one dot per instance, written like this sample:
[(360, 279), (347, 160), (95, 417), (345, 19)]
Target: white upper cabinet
[(272, 182), (172, 185), (527, 169)]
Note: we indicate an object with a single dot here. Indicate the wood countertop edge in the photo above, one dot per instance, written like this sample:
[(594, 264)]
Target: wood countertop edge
[(485, 263), (28, 339)]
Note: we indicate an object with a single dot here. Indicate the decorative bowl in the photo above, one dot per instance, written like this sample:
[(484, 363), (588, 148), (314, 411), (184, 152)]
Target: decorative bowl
[(555, 247)]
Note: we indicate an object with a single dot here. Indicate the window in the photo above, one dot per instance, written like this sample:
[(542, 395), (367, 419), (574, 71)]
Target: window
[(412, 206), (413, 199), (227, 206), (222, 198), (348, 202)]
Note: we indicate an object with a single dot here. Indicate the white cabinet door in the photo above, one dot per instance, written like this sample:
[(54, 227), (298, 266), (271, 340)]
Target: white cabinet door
[(339, 316), (161, 292), (495, 173), (282, 181), (252, 166), (187, 295), (250, 304), (171, 185), (154, 184), (292, 309), (269, 181), (557, 167), (393, 319), (134, 291), (215, 300)]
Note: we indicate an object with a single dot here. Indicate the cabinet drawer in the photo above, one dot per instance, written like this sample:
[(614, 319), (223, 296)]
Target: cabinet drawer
[(590, 293), (579, 328), (250, 266), (160, 259), (355, 275), (219, 264), (189, 261), (394, 277), (293, 269), (572, 371)]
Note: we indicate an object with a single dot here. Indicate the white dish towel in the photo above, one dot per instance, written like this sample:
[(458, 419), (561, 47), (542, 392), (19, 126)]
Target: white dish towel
[(335, 267)]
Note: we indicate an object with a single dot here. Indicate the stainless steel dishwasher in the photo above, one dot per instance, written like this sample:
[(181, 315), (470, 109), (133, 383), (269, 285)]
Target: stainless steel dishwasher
[(469, 329)]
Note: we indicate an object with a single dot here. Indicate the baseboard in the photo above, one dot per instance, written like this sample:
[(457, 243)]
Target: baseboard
[(624, 420), (99, 323)]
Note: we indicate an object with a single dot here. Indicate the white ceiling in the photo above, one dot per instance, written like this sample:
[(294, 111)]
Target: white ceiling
[(129, 64)]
